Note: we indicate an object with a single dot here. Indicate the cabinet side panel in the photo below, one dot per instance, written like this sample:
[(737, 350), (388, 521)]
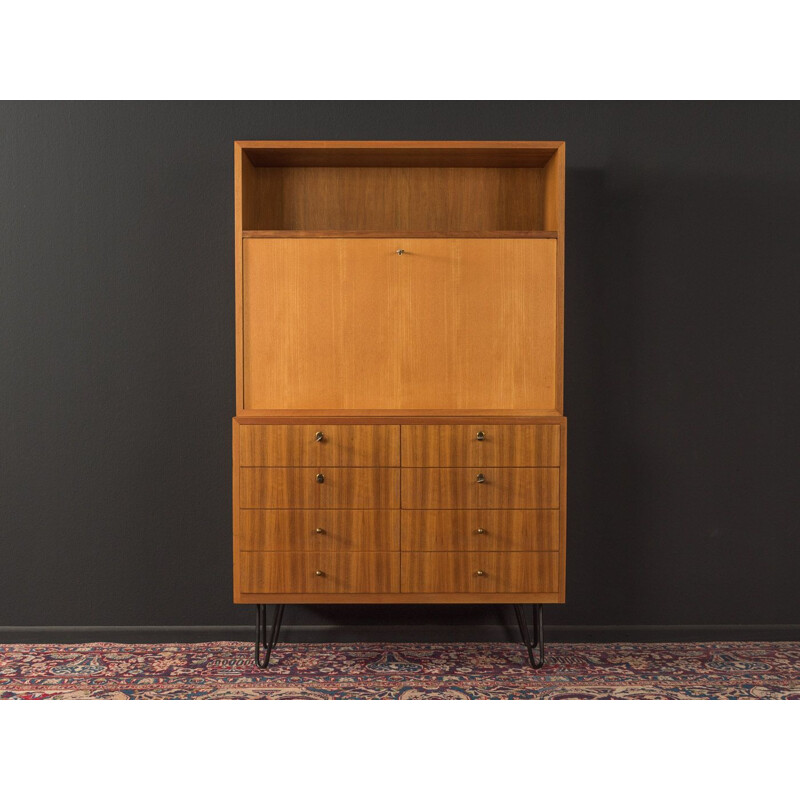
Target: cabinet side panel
[(235, 506), (562, 580)]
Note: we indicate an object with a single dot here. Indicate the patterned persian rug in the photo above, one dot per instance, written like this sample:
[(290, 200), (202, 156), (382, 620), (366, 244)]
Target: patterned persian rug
[(225, 670)]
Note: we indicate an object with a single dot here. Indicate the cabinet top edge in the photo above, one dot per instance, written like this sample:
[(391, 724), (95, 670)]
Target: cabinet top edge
[(375, 153), (410, 144)]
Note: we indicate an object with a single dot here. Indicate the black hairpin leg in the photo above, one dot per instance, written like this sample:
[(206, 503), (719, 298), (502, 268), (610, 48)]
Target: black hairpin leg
[(538, 633), (261, 633)]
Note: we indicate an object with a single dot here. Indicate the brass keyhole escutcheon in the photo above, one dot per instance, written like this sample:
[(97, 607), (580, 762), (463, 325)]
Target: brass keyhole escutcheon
[(480, 436), (320, 478), (319, 436), (481, 478)]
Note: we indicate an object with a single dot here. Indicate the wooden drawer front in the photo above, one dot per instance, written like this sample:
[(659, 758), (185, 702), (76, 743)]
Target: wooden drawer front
[(319, 531), (515, 487), (297, 487), (340, 446), (458, 572), (480, 530), (501, 445), (296, 573)]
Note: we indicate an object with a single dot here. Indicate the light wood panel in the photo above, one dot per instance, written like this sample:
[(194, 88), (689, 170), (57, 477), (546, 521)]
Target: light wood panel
[(340, 446), (501, 445), (398, 198), (459, 572), (457, 488), (480, 530), (340, 572), (297, 487), (321, 324), (451, 324), (319, 530)]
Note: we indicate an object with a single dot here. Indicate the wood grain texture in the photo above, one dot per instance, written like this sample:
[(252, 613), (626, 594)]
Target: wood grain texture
[(502, 445), (297, 487), (319, 530), (341, 572), (501, 530), (333, 329), (349, 324), (398, 198), (457, 572), (341, 445), (457, 488)]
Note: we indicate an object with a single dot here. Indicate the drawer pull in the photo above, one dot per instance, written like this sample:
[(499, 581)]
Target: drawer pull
[(319, 436), (319, 530), (480, 478), (480, 436), (399, 252), (480, 574), (480, 531), (320, 478), (319, 573)]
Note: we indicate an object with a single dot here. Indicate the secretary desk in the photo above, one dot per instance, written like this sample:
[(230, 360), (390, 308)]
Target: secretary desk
[(399, 433)]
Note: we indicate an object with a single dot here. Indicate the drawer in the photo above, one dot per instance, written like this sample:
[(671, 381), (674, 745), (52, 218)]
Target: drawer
[(319, 531), (509, 487), (304, 487), (319, 573), (319, 445), (480, 530), (480, 572), (481, 445)]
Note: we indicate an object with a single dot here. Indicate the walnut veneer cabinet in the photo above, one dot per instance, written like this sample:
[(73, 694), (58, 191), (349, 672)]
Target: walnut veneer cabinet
[(399, 433)]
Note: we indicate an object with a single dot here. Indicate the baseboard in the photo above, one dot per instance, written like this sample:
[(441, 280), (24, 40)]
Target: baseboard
[(399, 633)]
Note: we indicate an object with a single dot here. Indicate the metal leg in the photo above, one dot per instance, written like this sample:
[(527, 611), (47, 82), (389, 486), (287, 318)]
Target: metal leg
[(261, 633), (538, 633)]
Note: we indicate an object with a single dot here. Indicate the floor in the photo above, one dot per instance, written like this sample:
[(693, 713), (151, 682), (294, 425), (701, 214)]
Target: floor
[(225, 670)]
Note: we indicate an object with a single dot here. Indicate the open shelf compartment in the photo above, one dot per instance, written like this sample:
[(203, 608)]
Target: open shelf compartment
[(508, 189)]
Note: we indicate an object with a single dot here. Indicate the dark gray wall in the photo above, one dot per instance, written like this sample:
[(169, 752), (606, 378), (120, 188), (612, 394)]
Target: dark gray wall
[(117, 355)]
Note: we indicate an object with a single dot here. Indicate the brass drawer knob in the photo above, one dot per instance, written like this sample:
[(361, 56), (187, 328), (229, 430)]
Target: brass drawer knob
[(320, 478), (480, 574), (480, 531), (319, 436), (480, 436), (319, 573), (481, 478), (319, 530)]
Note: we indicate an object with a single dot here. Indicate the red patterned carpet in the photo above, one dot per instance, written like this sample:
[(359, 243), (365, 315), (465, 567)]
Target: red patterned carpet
[(225, 670)]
